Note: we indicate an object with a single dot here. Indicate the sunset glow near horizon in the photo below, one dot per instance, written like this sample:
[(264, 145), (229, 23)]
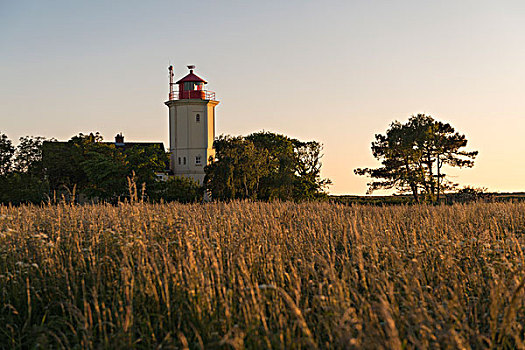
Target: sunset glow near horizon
[(337, 72)]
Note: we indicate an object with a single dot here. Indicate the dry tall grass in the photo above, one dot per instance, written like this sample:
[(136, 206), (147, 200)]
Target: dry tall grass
[(259, 275)]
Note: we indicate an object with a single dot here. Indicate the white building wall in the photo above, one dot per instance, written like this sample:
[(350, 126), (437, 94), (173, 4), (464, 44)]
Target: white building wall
[(190, 138)]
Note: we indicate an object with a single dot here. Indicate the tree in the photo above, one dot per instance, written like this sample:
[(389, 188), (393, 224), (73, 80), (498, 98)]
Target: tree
[(106, 170), (62, 163), (265, 166), (308, 170), (6, 154), (28, 155), (413, 155), (16, 188), (145, 162), (237, 169), (21, 179), (281, 162), (180, 189)]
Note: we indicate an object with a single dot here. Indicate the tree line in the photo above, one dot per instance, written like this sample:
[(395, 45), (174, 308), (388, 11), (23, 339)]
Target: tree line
[(86, 169), (259, 166), (263, 166)]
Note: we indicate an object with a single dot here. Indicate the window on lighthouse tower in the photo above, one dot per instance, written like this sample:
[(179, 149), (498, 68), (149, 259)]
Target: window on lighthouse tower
[(197, 118)]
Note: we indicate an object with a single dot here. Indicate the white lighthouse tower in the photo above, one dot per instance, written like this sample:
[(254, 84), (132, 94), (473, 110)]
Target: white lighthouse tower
[(191, 125)]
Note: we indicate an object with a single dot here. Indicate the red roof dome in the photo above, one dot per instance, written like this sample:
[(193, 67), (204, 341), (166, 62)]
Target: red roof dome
[(192, 78)]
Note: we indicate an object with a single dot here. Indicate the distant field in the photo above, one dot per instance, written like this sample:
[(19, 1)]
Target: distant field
[(447, 198), (262, 275)]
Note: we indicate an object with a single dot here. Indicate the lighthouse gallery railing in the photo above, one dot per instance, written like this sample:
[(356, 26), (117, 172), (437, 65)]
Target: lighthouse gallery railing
[(192, 94)]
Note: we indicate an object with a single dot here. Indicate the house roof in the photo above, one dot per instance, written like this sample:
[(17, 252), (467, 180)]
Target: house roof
[(51, 146), (126, 144), (191, 77)]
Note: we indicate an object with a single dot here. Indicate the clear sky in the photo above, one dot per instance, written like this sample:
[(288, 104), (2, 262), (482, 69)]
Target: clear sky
[(332, 71)]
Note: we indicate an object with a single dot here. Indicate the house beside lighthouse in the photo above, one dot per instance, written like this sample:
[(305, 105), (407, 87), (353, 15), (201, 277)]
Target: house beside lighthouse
[(191, 125)]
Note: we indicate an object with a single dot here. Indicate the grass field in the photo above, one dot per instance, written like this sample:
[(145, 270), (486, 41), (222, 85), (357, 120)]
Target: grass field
[(262, 275)]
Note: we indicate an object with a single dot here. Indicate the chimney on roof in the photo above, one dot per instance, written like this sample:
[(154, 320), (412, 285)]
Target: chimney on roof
[(119, 140)]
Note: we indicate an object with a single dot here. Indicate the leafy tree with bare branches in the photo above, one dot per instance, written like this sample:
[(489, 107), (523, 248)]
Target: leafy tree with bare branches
[(413, 156)]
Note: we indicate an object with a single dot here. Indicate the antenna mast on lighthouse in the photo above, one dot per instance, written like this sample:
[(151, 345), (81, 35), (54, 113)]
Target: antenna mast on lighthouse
[(172, 84)]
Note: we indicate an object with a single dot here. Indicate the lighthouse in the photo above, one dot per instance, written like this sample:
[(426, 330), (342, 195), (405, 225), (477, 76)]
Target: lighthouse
[(191, 125)]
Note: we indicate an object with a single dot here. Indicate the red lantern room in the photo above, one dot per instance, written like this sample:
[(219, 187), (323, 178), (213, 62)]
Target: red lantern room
[(190, 87)]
